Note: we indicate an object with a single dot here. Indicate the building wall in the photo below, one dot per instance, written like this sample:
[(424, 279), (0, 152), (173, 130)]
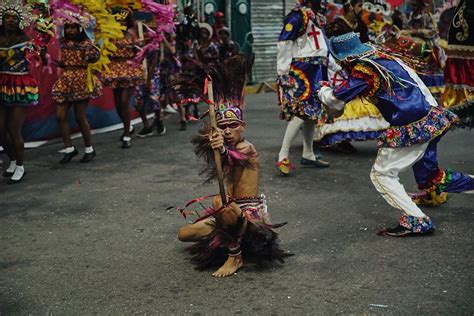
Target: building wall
[(267, 20)]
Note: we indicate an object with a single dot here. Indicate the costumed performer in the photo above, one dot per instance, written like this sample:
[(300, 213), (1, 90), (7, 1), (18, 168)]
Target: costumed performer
[(148, 96), (228, 234), (302, 62), (18, 88), (170, 65), (351, 20), (71, 90), (187, 35), (361, 120), (227, 47), (123, 77), (424, 29), (417, 124)]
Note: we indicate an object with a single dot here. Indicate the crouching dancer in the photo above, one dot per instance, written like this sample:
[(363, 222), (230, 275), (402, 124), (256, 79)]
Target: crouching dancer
[(416, 121), (240, 228)]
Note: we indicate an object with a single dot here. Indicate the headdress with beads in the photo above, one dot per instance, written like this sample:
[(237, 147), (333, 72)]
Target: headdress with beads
[(65, 12), (24, 12), (65, 16)]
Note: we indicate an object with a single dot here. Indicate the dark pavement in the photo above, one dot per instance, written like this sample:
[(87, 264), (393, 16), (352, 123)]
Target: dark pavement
[(97, 239)]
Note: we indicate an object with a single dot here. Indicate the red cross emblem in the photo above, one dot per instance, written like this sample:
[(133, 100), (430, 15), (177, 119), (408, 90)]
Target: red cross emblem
[(314, 33), (335, 79)]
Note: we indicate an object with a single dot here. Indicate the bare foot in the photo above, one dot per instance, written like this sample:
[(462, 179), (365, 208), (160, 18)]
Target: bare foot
[(232, 264)]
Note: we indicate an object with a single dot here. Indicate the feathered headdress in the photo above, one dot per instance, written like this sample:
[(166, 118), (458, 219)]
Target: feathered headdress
[(164, 20), (228, 79), (16, 7)]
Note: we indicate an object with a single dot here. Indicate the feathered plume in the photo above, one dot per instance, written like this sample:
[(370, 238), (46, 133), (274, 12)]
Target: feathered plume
[(228, 78), (164, 17)]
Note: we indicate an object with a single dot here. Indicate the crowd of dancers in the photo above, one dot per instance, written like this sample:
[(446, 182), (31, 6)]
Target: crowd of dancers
[(336, 89), (359, 77), (100, 46), (349, 80)]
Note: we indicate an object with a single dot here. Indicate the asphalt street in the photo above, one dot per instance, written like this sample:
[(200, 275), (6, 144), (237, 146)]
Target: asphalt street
[(97, 238)]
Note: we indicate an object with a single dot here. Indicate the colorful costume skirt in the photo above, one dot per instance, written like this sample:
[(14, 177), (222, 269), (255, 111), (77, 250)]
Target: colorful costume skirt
[(18, 90), (123, 75), (360, 121), (458, 95), (434, 124), (301, 100), (150, 100), (72, 87), (259, 241)]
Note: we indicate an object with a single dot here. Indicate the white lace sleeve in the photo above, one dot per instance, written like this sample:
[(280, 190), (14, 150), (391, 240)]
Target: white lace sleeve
[(284, 57), (326, 96)]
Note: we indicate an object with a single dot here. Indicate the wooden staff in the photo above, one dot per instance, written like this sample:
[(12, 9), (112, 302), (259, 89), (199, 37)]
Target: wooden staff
[(217, 154)]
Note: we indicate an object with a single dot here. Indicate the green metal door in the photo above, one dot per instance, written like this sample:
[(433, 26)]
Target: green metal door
[(240, 20)]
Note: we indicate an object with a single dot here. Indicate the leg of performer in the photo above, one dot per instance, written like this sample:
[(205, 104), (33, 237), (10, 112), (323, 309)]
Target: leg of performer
[(196, 231), (384, 175), (125, 100), (308, 134), (141, 97), (16, 119), (80, 110), (435, 181), (146, 124), (62, 115), (117, 102), (309, 158), (292, 130), (125, 96), (182, 114), (70, 151), (160, 126), (6, 142), (144, 119), (231, 220)]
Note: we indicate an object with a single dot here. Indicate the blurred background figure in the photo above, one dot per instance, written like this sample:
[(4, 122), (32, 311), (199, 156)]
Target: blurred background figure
[(72, 90), (124, 77), (227, 47)]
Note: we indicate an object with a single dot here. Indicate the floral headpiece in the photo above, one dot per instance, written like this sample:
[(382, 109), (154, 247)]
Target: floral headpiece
[(64, 16), (16, 7)]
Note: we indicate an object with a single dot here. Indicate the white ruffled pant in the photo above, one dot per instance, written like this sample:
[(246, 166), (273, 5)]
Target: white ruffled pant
[(384, 175)]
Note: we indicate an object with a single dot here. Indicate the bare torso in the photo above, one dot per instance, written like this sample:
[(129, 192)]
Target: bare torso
[(244, 182)]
